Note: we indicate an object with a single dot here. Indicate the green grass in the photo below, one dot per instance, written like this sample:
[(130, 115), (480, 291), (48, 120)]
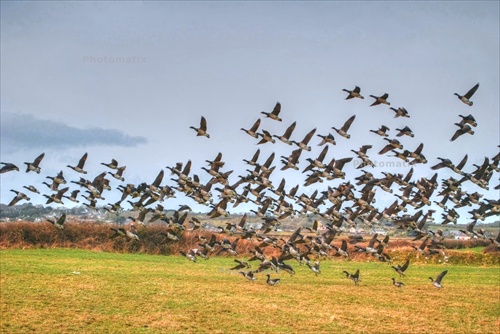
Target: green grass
[(76, 291)]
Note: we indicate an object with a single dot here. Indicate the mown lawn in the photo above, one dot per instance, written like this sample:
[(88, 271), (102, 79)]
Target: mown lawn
[(75, 291)]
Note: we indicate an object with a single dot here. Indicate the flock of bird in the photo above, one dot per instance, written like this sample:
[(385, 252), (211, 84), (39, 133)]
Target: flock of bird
[(274, 204)]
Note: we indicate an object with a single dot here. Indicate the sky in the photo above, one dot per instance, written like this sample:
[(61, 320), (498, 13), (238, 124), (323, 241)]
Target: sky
[(126, 80)]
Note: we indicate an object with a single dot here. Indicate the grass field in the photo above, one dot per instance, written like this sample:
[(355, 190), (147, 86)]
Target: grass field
[(76, 291)]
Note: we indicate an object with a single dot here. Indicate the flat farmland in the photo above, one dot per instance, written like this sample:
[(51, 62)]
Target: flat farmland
[(81, 291)]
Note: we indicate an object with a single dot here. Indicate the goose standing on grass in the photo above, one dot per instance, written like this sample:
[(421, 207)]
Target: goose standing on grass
[(79, 167), (272, 282), (202, 130), (397, 284), (35, 165), (466, 97), (8, 167), (437, 282), (274, 114)]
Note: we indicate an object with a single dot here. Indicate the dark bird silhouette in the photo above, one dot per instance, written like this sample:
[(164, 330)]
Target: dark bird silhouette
[(466, 97), (397, 284)]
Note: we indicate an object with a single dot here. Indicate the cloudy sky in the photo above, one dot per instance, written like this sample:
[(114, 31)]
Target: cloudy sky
[(126, 80)]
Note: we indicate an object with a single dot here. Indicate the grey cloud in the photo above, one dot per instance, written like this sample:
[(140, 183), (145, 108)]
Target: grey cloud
[(27, 131)]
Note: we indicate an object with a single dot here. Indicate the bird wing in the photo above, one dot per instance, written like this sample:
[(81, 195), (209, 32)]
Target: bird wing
[(471, 91), (348, 123)]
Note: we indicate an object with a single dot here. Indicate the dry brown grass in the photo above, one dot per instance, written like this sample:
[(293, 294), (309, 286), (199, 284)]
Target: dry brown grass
[(124, 293)]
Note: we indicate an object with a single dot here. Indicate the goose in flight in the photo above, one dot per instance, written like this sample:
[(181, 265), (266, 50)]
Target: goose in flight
[(466, 97), (202, 130)]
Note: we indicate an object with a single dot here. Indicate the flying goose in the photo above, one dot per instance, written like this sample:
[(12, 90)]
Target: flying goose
[(241, 265), (400, 112), (353, 93), (59, 222), (437, 282), (469, 119), (466, 97), (112, 165), (274, 114), (79, 167), (393, 144), (380, 100), (382, 131), (405, 131), (8, 167), (202, 130), (266, 137), (463, 129), (19, 196), (34, 166), (343, 130), (354, 277), (314, 267), (329, 138), (119, 173), (32, 189), (253, 130), (248, 275), (303, 144), (285, 138), (401, 269)]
